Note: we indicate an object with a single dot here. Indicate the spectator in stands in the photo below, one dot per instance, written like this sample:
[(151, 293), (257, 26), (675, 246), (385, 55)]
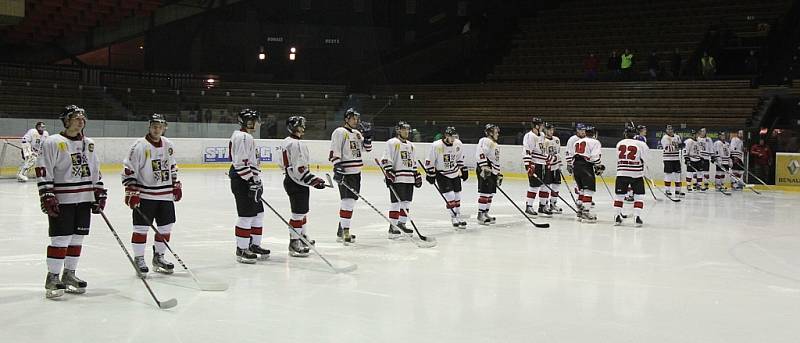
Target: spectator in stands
[(675, 64), (652, 65), (762, 159), (613, 65), (590, 65), (708, 66), (626, 65)]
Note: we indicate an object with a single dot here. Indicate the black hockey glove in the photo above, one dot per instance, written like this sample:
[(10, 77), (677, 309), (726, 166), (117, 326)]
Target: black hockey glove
[(417, 179), (599, 169), (99, 204), (255, 190), (366, 129), (431, 178), (570, 170), (338, 173), (464, 173), (499, 179)]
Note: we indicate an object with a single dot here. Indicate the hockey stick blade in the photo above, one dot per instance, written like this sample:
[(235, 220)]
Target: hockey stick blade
[(168, 304)]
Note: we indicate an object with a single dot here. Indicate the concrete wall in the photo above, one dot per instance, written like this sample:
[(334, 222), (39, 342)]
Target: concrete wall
[(209, 151)]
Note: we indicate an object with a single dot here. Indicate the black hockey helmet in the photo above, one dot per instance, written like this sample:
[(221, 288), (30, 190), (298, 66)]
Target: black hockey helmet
[(536, 121), (692, 132), (294, 122), (490, 127), (40, 124), (589, 129), (69, 112), (580, 126), (722, 134), (351, 113), (668, 128), (247, 115), (640, 128), (548, 126), (450, 131), (402, 125), (630, 131), (158, 118)]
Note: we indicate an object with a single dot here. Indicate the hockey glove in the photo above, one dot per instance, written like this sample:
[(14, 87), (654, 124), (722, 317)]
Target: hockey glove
[(417, 179), (686, 161), (99, 204), (599, 169), (49, 204), (464, 173), (366, 129), (485, 172), (317, 183), (389, 177), (338, 173), (530, 168), (255, 190), (177, 191), (132, 197), (431, 178), (499, 179), (569, 169)]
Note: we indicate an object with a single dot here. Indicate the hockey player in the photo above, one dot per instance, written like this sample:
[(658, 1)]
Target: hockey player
[(247, 189), (586, 164), (297, 181), (70, 187), (737, 159), (552, 174), (487, 156), (642, 134), (693, 161), (706, 148), (671, 145), (580, 132), (348, 143), (150, 178), (722, 160), (444, 166), (534, 161), (630, 174), (400, 167), (31, 148)]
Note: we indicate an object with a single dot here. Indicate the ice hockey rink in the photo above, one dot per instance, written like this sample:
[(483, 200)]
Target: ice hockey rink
[(712, 268)]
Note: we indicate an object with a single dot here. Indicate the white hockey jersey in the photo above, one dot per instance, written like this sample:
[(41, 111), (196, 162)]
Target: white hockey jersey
[(400, 159), (69, 168), (487, 154), (151, 169), (33, 139), (552, 148), (294, 161), (737, 148), (589, 149), (630, 157), (691, 149), (245, 161), (706, 148), (671, 146), (722, 151), (570, 149), (533, 147), (444, 159), (347, 147)]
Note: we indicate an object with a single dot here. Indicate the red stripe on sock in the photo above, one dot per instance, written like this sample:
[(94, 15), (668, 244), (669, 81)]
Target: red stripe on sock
[(74, 250), (162, 237), (56, 252), (638, 204), (531, 195), (296, 223), (394, 214), (242, 232), (139, 238), (543, 194), (403, 213), (253, 231), (345, 214), (617, 203), (483, 200), (667, 183)]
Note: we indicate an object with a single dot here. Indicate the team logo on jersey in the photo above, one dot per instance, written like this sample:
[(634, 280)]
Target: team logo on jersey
[(79, 166), (160, 170), (62, 146), (91, 147)]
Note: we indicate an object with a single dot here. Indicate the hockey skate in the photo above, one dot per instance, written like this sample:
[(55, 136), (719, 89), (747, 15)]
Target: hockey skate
[(544, 211), (492, 220), (297, 248), (346, 237), (456, 223), (245, 256), (160, 265), (530, 211), (680, 194), (263, 254), (54, 288), (141, 266), (22, 178), (618, 220), (483, 219), (587, 217), (393, 233), (639, 221), (310, 241), (340, 238), (72, 283), (668, 193), (555, 209), (402, 226)]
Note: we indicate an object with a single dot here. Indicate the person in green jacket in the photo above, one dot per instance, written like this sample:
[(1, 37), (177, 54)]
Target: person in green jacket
[(626, 65)]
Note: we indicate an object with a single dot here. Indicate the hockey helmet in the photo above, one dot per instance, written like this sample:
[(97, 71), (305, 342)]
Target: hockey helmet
[(536, 121), (294, 122), (490, 127), (589, 129), (580, 126), (630, 131), (158, 118), (351, 113), (69, 112), (247, 115), (640, 128), (450, 131), (402, 125)]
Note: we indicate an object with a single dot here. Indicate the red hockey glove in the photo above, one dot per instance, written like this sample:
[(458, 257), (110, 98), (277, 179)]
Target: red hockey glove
[(177, 191)]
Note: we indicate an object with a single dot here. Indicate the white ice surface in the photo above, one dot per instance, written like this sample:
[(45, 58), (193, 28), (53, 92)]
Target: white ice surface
[(708, 269)]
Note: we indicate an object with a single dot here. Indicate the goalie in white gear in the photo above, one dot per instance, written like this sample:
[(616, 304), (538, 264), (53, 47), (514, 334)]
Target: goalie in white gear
[(348, 143), (445, 167), (150, 178), (296, 183), (399, 164), (70, 188), (31, 148)]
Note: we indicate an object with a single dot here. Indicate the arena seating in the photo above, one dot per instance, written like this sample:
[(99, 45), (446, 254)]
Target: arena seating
[(22, 98), (554, 44)]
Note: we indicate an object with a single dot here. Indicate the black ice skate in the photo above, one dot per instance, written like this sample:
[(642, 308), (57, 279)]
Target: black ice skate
[(245, 256), (544, 211), (72, 283), (263, 254), (297, 248), (160, 265), (141, 266), (53, 286)]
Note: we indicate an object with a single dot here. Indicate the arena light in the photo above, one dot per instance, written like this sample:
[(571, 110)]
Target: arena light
[(262, 56), (292, 53)]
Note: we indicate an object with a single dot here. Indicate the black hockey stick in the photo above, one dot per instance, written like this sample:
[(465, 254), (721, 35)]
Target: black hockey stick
[(169, 303), (438, 191), (204, 286), (420, 243), (570, 189), (391, 188), (539, 225), (734, 178), (649, 181), (347, 269), (759, 180), (552, 191)]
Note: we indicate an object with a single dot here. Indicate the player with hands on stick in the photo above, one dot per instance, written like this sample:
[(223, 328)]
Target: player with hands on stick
[(348, 145), (400, 167), (444, 167)]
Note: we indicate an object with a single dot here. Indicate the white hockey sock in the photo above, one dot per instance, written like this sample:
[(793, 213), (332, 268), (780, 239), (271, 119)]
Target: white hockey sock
[(139, 239), (165, 232), (257, 229), (56, 252), (531, 195), (405, 209), (243, 232), (544, 196), (638, 204), (483, 201), (346, 212), (394, 212), (73, 252), (297, 223), (618, 198)]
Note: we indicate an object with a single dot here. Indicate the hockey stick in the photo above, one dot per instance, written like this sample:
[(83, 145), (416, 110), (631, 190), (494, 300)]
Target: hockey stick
[(391, 188), (569, 187), (756, 177), (347, 269), (420, 243), (539, 225), (437, 190), (552, 191), (170, 303), (735, 178), (204, 286), (649, 181)]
